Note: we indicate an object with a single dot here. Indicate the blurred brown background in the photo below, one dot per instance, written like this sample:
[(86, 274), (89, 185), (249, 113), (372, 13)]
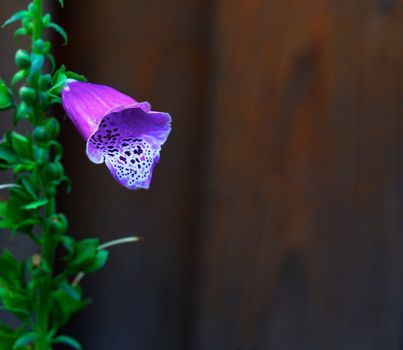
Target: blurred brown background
[(274, 220)]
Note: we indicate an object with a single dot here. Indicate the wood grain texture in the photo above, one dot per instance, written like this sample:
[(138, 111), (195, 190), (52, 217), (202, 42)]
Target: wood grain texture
[(303, 230), (155, 51)]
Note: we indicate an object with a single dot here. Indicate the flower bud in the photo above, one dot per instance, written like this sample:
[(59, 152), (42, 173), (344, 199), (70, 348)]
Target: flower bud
[(27, 24), (54, 171), (32, 8), (44, 98), (38, 46), (23, 111), (57, 224), (41, 155), (22, 59), (27, 94), (40, 134), (46, 19), (45, 82), (36, 260), (52, 127)]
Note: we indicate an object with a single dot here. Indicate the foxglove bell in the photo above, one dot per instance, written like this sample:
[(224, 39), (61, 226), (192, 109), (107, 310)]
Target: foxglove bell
[(125, 134)]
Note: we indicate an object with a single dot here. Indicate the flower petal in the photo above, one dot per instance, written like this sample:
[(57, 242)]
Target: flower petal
[(119, 131), (86, 104), (129, 141)]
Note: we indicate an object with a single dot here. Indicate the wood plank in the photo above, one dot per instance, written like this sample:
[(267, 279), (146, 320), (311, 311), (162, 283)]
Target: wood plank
[(303, 228), (155, 51)]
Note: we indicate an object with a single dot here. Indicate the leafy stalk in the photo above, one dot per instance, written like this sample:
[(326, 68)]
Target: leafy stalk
[(40, 298)]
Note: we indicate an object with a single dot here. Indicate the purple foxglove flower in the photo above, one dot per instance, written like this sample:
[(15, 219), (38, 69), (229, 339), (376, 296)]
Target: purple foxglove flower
[(119, 131)]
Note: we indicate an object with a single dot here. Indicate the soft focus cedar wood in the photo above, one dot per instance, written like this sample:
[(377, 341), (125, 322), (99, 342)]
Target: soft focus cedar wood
[(289, 114), (156, 51), (303, 236)]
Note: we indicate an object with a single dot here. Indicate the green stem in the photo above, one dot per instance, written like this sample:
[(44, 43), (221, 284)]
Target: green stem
[(45, 290), (48, 243), (38, 28)]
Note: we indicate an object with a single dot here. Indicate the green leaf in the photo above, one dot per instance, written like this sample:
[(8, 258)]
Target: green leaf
[(21, 314), (71, 291), (68, 243), (22, 146), (60, 72), (86, 257), (18, 77), (23, 168), (84, 254), (20, 32), (11, 272), (12, 216), (7, 337), (61, 3), (64, 306), (60, 31), (21, 195), (75, 76), (26, 182), (7, 155), (17, 17), (6, 100), (35, 205), (58, 87), (99, 261), (25, 225), (65, 339), (24, 340), (18, 303)]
